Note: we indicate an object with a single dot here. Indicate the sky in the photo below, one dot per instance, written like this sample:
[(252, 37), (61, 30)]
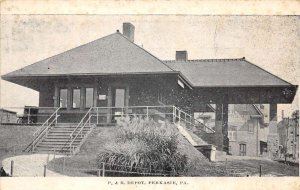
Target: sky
[(270, 42)]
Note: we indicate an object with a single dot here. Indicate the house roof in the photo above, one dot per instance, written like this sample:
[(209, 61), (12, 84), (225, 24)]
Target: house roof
[(113, 54), (225, 73)]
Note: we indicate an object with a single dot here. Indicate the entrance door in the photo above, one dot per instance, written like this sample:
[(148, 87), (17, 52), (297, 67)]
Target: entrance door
[(242, 149), (119, 97)]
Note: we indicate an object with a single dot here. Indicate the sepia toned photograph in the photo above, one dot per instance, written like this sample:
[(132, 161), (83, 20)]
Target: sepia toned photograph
[(149, 96)]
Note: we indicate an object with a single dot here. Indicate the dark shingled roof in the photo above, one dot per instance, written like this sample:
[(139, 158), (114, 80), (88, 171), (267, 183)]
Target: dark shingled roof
[(113, 54), (225, 73)]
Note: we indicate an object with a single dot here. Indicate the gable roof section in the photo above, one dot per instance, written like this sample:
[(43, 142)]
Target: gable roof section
[(225, 73), (113, 54)]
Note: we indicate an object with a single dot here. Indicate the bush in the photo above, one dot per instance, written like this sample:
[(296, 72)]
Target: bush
[(143, 143)]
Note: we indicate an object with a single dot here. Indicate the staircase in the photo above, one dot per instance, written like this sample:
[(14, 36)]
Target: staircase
[(62, 138), (58, 138), (66, 138), (194, 131)]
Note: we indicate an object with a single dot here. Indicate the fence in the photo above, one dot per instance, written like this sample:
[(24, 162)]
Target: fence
[(109, 170), (103, 115), (113, 170)]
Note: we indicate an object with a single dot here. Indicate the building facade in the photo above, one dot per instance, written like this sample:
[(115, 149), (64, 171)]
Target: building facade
[(247, 128), (288, 130), (114, 72)]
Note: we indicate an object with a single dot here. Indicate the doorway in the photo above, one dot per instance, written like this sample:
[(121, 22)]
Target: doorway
[(119, 95)]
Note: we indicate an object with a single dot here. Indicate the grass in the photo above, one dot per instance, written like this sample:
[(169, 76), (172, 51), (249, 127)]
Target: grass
[(95, 143), (198, 165), (14, 139), (269, 167)]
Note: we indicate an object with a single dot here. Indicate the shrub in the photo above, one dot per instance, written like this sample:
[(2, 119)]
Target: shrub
[(143, 143)]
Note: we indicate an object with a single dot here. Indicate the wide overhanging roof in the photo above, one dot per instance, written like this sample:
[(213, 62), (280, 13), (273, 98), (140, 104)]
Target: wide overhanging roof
[(226, 73), (116, 55), (110, 55)]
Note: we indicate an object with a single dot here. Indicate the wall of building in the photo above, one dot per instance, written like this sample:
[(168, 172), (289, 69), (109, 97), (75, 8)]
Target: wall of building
[(7, 116), (239, 116), (140, 91)]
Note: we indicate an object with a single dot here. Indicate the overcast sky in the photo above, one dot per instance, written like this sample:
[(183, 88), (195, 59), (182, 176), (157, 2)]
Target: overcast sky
[(271, 42)]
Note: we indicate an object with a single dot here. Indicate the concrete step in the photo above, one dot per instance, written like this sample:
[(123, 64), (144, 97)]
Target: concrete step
[(66, 133), (61, 144), (68, 129), (58, 146), (59, 140)]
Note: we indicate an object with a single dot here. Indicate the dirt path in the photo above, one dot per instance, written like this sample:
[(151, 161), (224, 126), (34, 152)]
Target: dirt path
[(30, 165)]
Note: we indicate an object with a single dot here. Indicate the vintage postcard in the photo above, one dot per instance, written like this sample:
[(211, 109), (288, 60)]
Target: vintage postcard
[(94, 95)]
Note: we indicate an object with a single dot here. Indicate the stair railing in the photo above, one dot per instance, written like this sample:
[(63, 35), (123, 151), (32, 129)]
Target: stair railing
[(189, 121), (81, 125), (43, 130)]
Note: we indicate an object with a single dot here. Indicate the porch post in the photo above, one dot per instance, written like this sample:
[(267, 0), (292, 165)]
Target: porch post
[(109, 104), (221, 127), (82, 98), (273, 136), (56, 97), (69, 98), (95, 93), (273, 118)]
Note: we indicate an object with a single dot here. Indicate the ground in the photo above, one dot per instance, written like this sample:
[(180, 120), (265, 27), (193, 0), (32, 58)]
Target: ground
[(84, 162), (14, 139)]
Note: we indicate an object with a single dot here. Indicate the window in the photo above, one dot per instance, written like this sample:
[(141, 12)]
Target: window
[(242, 149), (76, 98), (89, 97), (232, 135), (251, 126), (63, 98)]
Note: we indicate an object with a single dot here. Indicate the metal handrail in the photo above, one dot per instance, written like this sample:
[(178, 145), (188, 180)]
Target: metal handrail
[(191, 118), (185, 119), (43, 128), (47, 121), (88, 112), (43, 132), (80, 131)]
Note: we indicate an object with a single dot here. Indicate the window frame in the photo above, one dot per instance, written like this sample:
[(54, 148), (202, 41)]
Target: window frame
[(233, 135), (252, 126)]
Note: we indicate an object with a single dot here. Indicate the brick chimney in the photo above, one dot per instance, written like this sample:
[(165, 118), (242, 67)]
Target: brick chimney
[(181, 55), (128, 31)]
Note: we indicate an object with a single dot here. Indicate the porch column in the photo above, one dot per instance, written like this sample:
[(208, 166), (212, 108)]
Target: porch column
[(69, 99), (221, 129), (109, 104), (56, 96), (82, 98), (273, 137), (95, 93), (273, 118)]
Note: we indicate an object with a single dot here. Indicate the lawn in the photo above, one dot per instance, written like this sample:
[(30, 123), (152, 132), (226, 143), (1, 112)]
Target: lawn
[(86, 158), (21, 136), (14, 139), (84, 162)]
